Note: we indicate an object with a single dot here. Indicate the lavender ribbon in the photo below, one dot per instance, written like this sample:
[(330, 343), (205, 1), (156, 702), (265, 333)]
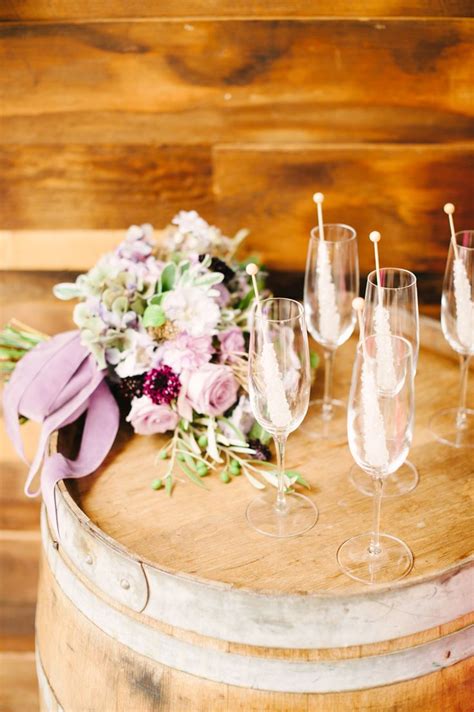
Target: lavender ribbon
[(54, 384)]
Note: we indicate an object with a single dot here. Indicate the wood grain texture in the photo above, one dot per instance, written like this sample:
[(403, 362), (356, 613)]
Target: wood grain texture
[(145, 82), (18, 685), (399, 190), (266, 189), (213, 550), (19, 559), (68, 9), (148, 685), (102, 186)]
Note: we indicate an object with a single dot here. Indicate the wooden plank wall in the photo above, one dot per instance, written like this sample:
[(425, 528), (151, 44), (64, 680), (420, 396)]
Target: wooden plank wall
[(116, 113), (123, 111)]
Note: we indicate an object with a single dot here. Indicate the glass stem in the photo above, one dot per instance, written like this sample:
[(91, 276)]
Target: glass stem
[(374, 546), (461, 419), (280, 444), (328, 371)]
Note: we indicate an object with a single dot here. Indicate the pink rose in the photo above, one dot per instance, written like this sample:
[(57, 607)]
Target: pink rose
[(147, 418), (232, 342), (212, 389)]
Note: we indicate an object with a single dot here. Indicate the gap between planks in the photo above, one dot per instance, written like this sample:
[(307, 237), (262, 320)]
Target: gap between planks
[(238, 18)]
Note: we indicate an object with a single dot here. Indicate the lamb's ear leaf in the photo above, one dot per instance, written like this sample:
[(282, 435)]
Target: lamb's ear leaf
[(154, 315), (67, 290), (168, 277)]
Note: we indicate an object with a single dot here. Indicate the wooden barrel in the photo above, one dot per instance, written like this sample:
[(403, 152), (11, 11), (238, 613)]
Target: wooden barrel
[(155, 603)]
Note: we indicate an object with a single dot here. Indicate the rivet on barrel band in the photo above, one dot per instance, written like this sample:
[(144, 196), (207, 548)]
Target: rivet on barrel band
[(89, 560), (125, 584)]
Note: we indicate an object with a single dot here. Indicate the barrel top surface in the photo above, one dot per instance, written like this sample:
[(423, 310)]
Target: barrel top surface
[(204, 533)]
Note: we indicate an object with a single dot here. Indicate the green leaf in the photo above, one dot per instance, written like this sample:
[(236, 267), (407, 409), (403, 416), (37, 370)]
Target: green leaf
[(11, 353), (299, 478), (209, 280), (169, 485), (154, 316), (313, 359), (184, 424), (156, 299), (192, 476), (259, 433), (190, 462), (167, 278), (67, 290), (138, 306), (247, 300)]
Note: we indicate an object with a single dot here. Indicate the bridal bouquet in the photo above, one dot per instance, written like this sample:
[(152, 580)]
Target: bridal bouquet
[(165, 318)]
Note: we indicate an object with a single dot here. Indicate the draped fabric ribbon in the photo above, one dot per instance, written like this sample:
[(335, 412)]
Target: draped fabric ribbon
[(54, 384)]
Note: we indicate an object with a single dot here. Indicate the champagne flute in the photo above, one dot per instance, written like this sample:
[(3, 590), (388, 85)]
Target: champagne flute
[(398, 290), (279, 387), (380, 431), (455, 426), (331, 283)]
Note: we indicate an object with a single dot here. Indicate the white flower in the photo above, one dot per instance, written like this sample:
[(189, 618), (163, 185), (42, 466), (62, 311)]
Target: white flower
[(189, 221), (191, 310), (137, 358)]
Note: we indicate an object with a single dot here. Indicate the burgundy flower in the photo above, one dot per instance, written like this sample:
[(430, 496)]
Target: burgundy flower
[(262, 452), (161, 385)]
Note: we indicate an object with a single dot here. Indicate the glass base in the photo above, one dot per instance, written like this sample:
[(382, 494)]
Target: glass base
[(299, 517), (404, 480), (444, 426), (319, 425), (394, 561)]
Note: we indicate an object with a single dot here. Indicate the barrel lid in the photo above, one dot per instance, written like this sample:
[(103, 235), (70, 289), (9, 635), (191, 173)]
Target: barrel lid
[(203, 534)]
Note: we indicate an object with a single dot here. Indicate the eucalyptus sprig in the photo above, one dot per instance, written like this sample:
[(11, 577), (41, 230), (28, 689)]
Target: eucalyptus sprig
[(16, 340), (201, 448)]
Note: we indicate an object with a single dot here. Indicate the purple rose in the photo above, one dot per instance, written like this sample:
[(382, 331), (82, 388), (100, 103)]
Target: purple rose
[(212, 389), (147, 418), (232, 343)]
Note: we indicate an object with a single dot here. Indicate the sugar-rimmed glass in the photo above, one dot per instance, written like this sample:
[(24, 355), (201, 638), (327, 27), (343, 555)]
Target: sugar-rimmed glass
[(331, 283), (398, 288), (455, 426), (380, 432), (279, 387)]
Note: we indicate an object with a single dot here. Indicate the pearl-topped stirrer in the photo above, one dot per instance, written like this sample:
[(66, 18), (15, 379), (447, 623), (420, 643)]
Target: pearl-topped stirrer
[(386, 377), (462, 289), (329, 318), (449, 210), (319, 199), (358, 305), (375, 238)]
